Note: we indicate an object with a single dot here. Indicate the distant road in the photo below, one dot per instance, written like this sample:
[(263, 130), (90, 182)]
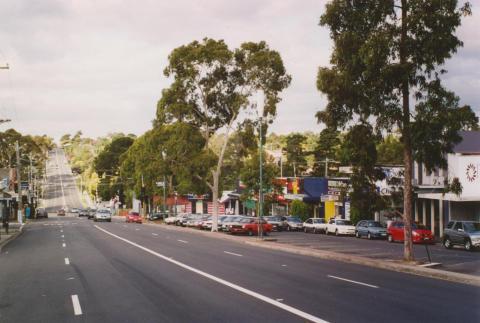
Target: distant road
[(61, 189)]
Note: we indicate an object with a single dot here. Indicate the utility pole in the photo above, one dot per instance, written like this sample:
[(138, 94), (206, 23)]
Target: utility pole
[(326, 166), (19, 184), (260, 192)]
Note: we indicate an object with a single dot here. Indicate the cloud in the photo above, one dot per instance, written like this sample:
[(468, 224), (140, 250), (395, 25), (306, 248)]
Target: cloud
[(96, 66)]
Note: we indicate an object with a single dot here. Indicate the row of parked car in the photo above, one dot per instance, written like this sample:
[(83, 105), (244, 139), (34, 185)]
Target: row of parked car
[(464, 233)]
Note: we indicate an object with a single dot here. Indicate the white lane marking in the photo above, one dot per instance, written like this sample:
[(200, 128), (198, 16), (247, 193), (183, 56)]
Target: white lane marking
[(70, 278), (64, 245), (63, 236), (431, 264), (77, 309), (352, 281), (137, 229), (233, 254), (155, 234), (67, 261), (222, 281), (284, 265), (182, 241), (61, 230), (279, 299)]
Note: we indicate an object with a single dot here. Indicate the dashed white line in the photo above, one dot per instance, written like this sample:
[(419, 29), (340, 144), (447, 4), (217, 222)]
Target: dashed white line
[(284, 265), (182, 241), (137, 229), (63, 236), (64, 245), (70, 278), (352, 281), (233, 254), (243, 290), (155, 234), (77, 309), (67, 261)]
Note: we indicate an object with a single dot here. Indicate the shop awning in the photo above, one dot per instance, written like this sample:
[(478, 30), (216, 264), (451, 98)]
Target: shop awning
[(313, 189)]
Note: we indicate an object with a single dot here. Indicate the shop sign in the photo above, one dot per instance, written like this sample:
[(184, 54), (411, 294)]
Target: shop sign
[(292, 197), (325, 198)]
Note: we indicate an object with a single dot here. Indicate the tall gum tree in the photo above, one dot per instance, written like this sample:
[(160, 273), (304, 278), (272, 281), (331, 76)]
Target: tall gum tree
[(388, 57), (215, 89)]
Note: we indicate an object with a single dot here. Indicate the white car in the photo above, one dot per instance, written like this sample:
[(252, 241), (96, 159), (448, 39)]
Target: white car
[(102, 215), (315, 225), (170, 220), (340, 226)]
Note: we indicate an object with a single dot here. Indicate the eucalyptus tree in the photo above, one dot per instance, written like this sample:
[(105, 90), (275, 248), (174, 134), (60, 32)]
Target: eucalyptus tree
[(385, 69), (215, 88)]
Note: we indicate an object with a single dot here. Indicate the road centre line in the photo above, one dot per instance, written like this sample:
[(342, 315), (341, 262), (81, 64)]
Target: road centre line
[(182, 241), (67, 261), (63, 236), (155, 234), (233, 254), (77, 309), (221, 281), (352, 281), (64, 245)]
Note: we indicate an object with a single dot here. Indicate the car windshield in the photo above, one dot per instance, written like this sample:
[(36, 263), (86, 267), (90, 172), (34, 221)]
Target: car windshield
[(104, 211), (273, 218), (294, 219), (471, 226), (374, 224), (343, 222), (133, 214), (318, 221)]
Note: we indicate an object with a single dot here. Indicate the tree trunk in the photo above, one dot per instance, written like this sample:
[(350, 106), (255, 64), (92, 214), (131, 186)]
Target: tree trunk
[(407, 143), (216, 176)]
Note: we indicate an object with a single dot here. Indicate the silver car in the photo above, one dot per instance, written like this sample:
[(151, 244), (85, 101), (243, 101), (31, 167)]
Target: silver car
[(103, 215)]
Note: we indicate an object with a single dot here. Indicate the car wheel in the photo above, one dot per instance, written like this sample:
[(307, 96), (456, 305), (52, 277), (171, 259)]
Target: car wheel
[(336, 232), (314, 230), (390, 238), (94, 220), (288, 228), (447, 243), (468, 245), (369, 236), (110, 220), (357, 234)]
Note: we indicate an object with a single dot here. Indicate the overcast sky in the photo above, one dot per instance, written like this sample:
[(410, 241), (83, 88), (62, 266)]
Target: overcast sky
[(96, 65)]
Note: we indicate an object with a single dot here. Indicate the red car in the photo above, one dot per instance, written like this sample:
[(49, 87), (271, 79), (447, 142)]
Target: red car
[(420, 233), (133, 217), (251, 226)]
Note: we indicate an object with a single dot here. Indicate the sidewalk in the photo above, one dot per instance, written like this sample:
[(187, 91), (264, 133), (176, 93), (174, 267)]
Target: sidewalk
[(14, 231), (398, 266)]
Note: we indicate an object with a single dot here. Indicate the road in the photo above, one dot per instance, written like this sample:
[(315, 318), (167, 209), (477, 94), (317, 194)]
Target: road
[(61, 189), (146, 273), (456, 259)]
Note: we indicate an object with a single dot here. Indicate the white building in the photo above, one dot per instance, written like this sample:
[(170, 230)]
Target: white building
[(435, 208)]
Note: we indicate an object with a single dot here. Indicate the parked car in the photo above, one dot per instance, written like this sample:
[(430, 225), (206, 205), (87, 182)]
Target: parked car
[(74, 210), (61, 212), (207, 224), (103, 215), (462, 233), (250, 226), (181, 219), (133, 217), (315, 225), (370, 229), (170, 220), (41, 212), (340, 227), (157, 216), (292, 223), (276, 222), (83, 212), (420, 233), (230, 221)]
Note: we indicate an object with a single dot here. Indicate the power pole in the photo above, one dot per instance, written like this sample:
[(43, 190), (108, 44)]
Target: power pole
[(260, 192), (326, 166), (19, 184)]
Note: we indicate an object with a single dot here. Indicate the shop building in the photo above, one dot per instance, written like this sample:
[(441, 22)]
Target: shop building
[(435, 208)]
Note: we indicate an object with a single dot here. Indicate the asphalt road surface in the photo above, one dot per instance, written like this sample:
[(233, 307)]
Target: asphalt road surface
[(456, 259), (61, 190), (69, 269)]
